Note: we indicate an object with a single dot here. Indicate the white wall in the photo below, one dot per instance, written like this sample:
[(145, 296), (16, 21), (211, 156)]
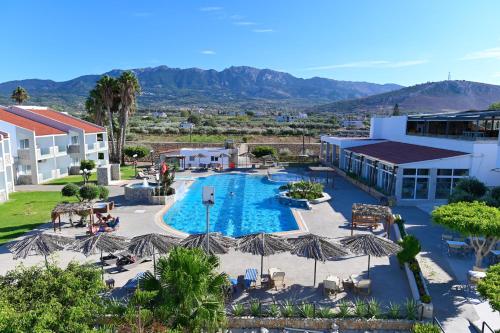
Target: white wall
[(209, 152)]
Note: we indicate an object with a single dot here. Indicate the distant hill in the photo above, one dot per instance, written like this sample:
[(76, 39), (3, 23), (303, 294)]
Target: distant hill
[(235, 86), (426, 97)]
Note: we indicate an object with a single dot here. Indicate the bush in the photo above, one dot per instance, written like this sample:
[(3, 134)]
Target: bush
[(89, 192), (238, 310), (70, 190), (255, 308), (103, 192), (468, 190), (87, 165), (425, 328), (426, 299), (489, 287), (140, 151), (260, 151), (304, 190), (411, 247)]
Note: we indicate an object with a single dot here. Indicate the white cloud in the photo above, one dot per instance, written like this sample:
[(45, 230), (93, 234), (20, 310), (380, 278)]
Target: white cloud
[(236, 17), (208, 52), (245, 23), (371, 64), (263, 30), (211, 9), (493, 53)]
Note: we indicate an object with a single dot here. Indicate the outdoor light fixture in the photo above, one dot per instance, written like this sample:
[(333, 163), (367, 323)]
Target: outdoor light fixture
[(151, 153), (135, 164)]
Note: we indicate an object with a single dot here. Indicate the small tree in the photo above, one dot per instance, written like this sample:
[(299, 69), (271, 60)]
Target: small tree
[(411, 247), (468, 189), (395, 110), (261, 151), (476, 220), (494, 106), (86, 167), (140, 151), (20, 95), (489, 287)]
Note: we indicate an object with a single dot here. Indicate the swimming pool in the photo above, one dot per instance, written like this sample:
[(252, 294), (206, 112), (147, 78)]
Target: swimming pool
[(252, 207)]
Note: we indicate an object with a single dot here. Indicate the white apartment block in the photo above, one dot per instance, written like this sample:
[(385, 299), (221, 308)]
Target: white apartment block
[(418, 159), (6, 168), (48, 144)]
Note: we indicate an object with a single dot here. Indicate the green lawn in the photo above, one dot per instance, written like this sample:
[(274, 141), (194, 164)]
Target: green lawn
[(127, 172), (25, 211)]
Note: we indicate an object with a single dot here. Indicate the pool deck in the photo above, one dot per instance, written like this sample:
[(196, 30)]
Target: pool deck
[(389, 284)]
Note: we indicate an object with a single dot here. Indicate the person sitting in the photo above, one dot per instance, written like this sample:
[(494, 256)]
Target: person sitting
[(113, 224)]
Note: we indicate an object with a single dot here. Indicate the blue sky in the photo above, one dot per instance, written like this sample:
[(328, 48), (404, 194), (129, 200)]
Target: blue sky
[(381, 41)]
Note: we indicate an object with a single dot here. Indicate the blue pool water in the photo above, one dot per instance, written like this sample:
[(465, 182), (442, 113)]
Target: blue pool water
[(253, 207)]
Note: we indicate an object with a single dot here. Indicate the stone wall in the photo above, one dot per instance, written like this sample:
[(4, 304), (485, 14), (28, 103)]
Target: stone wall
[(293, 148), (321, 324)]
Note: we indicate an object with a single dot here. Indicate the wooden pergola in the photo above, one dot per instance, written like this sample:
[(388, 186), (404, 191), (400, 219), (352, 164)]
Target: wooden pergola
[(371, 216), (70, 208)]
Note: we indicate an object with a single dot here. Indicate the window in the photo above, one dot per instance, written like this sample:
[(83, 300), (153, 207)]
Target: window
[(214, 158), (100, 156), (415, 184), (75, 140), (100, 137), (24, 143), (447, 179), (191, 158)]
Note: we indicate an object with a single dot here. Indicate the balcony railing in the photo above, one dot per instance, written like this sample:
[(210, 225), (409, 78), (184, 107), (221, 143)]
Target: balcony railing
[(44, 152), (102, 144), (46, 175), (24, 155), (92, 146), (60, 150), (74, 149)]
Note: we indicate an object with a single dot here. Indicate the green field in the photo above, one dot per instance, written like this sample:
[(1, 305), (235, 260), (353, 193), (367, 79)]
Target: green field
[(26, 211), (127, 172)]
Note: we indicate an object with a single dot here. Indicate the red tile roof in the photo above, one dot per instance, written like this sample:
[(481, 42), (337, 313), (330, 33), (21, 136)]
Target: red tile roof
[(69, 120), (401, 153), (31, 125)]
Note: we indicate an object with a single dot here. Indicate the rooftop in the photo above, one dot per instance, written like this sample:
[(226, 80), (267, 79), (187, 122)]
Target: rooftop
[(457, 116), (402, 153), (40, 129), (66, 119)]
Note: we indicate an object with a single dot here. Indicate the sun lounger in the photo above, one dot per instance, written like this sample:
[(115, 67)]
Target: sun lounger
[(141, 175), (458, 248), (128, 262), (277, 278), (250, 277), (133, 282), (331, 285), (363, 287)]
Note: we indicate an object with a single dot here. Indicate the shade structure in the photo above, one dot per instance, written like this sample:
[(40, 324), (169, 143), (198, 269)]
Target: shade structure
[(39, 244), (200, 156), (262, 244), (370, 245), (247, 155), (318, 248), (99, 243), (147, 245), (212, 243), (222, 156)]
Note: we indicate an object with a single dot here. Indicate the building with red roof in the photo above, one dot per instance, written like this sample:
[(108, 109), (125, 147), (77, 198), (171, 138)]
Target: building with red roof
[(6, 167)]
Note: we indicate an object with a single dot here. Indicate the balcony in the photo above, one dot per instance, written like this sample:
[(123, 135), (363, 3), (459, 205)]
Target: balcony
[(24, 155), (73, 149), (45, 152), (92, 146), (61, 150), (102, 145)]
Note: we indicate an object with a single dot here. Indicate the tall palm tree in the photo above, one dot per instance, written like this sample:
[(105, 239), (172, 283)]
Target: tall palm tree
[(108, 90), (129, 88), (20, 95), (190, 291), (93, 105)]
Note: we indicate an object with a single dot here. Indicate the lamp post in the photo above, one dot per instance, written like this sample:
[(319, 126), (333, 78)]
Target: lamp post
[(157, 177), (151, 152), (135, 164), (208, 199)]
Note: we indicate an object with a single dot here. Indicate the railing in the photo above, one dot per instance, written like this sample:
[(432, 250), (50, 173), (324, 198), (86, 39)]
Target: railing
[(61, 149), (92, 146), (436, 322), (465, 137), (46, 175), (44, 152), (102, 144), (73, 149), (63, 171), (486, 325)]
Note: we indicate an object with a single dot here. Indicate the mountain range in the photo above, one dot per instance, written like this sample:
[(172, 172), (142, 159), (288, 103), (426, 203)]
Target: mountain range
[(427, 97), (235, 86)]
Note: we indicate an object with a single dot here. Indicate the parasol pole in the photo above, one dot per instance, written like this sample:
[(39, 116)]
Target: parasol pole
[(315, 263), (369, 266)]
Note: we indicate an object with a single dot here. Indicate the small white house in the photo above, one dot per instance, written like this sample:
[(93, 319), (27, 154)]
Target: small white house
[(186, 125), (201, 157), (302, 115)]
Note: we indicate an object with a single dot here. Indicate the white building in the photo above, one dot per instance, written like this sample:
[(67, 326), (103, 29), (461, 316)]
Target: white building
[(286, 118), (302, 115), (202, 157), (48, 144), (186, 125), (420, 158), (6, 167)]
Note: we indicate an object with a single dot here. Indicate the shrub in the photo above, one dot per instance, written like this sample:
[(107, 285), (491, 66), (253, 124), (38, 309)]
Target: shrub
[(306, 310), (255, 308), (305, 190), (260, 151), (411, 309), (373, 308), (287, 309), (103, 192), (394, 310), (87, 165), (273, 310), (411, 247), (89, 192), (344, 309), (324, 312), (426, 299), (489, 287), (360, 308), (425, 328), (141, 151), (238, 310), (468, 189), (70, 190)]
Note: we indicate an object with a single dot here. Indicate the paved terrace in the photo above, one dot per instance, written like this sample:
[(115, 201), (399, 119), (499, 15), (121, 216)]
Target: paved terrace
[(445, 274)]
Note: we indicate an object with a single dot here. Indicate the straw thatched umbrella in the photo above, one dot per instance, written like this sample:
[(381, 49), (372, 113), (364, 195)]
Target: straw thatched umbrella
[(101, 242), (147, 245), (215, 242), (39, 244), (371, 245), (318, 248), (200, 156), (262, 244)]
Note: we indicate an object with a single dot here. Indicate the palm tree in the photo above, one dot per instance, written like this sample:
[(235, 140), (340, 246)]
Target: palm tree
[(93, 105), (128, 89), (20, 95), (190, 291), (108, 90)]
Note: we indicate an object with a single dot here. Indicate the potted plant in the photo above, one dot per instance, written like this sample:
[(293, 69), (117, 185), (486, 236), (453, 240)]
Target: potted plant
[(164, 191)]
